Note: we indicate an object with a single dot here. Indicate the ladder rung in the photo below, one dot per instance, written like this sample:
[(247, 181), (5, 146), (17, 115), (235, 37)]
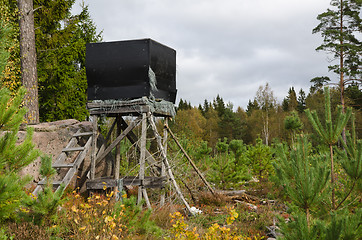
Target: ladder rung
[(63, 165), (73, 149), (83, 134), (43, 182)]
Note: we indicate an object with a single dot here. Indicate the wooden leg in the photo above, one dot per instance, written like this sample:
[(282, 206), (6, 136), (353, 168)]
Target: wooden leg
[(94, 147), (142, 156), (118, 151), (118, 157), (163, 168)]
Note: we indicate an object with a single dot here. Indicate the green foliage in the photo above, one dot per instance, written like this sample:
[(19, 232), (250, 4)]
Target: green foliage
[(61, 58), (44, 207), (339, 28), (4, 55), (138, 221), (227, 170), (260, 159), (203, 152), (303, 175), (10, 77), (293, 122), (299, 228), (351, 156), (13, 157), (329, 132)]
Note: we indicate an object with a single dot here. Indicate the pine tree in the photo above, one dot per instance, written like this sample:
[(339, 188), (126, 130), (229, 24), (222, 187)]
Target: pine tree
[(260, 159), (340, 28), (45, 206), (351, 159), (293, 123), (13, 157), (303, 175), (330, 132), (28, 60)]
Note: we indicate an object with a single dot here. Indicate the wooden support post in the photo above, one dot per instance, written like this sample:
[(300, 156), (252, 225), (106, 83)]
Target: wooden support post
[(168, 167), (141, 190), (94, 147), (163, 168), (118, 150), (191, 162)]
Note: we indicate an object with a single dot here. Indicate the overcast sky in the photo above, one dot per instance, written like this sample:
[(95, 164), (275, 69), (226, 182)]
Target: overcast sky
[(226, 47)]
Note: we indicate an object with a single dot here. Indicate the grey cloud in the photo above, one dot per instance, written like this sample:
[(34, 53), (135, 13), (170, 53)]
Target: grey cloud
[(226, 47)]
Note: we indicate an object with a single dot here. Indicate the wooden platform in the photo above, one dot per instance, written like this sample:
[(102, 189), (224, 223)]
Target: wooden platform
[(112, 108), (148, 182)]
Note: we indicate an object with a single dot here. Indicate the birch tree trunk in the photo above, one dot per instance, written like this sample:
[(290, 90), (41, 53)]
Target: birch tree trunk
[(28, 60)]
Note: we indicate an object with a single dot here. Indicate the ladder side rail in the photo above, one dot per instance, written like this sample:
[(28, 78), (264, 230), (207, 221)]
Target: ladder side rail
[(77, 162)]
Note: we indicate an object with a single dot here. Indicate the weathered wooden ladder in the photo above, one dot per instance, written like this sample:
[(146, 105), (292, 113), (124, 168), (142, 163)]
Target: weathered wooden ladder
[(74, 152)]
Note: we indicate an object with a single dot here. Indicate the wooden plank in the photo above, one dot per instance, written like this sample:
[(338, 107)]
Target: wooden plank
[(73, 149), (83, 134), (191, 162), (149, 182), (123, 110), (117, 103), (43, 182), (62, 156), (63, 165)]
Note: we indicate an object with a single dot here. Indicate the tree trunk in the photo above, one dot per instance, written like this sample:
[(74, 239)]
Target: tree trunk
[(341, 74), (28, 60)]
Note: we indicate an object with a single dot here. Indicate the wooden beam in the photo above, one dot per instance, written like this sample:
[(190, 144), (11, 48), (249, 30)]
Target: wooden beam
[(142, 162), (94, 147), (133, 139), (118, 139), (148, 182), (168, 167), (101, 149), (191, 162), (118, 151)]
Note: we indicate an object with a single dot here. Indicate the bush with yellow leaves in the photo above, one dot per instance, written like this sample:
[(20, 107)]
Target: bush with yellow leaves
[(99, 217), (181, 231)]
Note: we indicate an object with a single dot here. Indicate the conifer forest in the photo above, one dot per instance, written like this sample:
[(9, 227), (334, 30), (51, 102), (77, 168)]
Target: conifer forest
[(289, 169)]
